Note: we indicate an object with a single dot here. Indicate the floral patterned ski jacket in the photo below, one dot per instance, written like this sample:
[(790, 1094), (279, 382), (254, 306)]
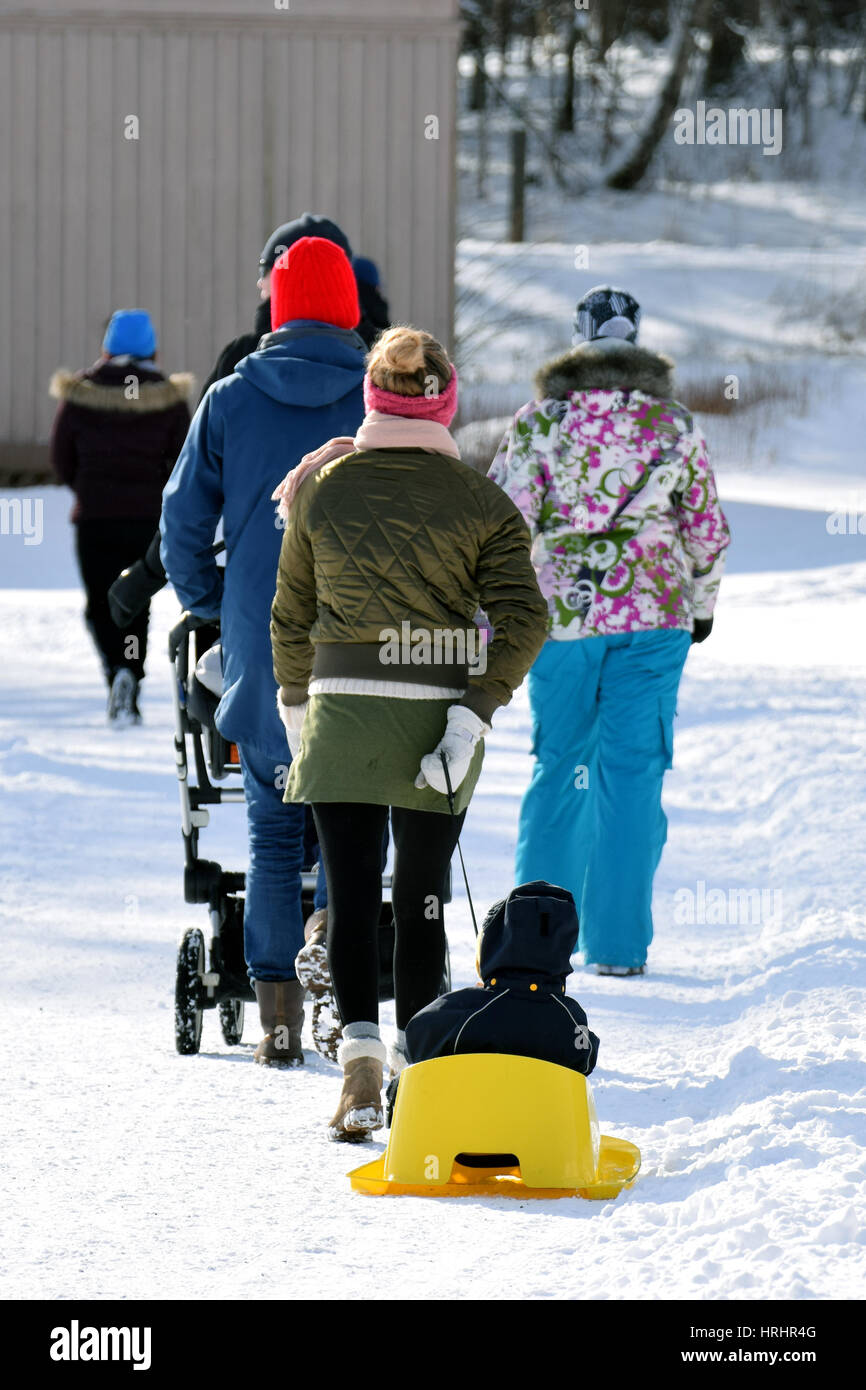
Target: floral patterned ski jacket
[(613, 479)]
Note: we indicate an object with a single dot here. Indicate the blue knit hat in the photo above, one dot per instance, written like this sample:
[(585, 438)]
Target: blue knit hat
[(366, 271), (605, 312), (130, 333)]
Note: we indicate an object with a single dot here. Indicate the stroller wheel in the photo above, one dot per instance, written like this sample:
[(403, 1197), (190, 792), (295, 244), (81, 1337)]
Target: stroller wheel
[(188, 993), (231, 1012)]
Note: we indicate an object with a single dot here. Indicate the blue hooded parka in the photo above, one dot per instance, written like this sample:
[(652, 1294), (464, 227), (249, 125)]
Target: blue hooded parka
[(300, 388)]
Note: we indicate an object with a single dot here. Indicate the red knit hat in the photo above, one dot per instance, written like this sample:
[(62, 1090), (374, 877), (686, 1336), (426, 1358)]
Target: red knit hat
[(314, 279)]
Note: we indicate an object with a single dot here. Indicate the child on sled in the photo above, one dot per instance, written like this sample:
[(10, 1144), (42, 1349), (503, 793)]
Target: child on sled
[(521, 1008)]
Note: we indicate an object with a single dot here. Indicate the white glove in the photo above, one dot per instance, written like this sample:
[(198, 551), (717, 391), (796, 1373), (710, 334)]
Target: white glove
[(293, 721), (463, 731), (209, 669)]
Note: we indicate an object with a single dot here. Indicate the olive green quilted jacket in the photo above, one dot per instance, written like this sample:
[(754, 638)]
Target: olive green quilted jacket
[(402, 539)]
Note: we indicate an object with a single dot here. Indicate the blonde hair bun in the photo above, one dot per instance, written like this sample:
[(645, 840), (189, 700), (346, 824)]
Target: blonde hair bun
[(403, 359), (401, 350)]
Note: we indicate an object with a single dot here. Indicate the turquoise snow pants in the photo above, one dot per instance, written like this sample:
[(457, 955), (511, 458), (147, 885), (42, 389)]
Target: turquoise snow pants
[(592, 820)]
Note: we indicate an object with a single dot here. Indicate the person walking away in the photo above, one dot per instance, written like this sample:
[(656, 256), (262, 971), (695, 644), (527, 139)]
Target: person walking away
[(281, 239), (117, 432), (301, 385), (628, 541), (374, 306), (391, 544)]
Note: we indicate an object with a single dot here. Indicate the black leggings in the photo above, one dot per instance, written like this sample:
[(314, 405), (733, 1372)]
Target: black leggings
[(104, 549), (350, 837)]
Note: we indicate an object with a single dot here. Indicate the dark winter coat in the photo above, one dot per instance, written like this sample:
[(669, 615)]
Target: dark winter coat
[(522, 1008), (374, 310), (302, 388), (113, 449), (240, 347)]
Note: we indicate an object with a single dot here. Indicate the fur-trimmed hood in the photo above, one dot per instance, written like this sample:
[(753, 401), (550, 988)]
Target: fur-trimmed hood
[(608, 365), (81, 389)]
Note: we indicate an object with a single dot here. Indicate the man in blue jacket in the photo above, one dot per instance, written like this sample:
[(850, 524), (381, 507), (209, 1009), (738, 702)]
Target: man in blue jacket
[(301, 387)]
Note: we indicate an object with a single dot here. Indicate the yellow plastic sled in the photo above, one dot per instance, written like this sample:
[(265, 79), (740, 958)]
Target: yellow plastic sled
[(541, 1114)]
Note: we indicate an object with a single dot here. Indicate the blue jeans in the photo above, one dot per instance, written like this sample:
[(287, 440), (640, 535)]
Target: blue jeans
[(313, 858), (273, 915), (320, 896), (592, 820)]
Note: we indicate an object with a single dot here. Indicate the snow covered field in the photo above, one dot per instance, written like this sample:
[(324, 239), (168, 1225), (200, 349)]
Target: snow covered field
[(736, 1065)]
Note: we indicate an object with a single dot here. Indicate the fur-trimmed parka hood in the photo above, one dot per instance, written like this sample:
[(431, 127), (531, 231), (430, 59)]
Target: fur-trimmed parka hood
[(608, 365), (91, 390)]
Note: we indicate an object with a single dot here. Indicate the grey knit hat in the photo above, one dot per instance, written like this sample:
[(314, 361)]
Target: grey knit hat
[(605, 312)]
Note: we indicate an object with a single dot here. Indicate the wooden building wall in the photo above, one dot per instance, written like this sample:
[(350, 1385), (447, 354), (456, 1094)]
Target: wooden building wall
[(248, 114)]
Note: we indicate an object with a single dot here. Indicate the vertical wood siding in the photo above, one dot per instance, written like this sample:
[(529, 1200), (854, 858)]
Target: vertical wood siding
[(239, 131)]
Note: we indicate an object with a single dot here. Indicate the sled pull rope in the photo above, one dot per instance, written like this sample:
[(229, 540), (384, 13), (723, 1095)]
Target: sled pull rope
[(450, 794)]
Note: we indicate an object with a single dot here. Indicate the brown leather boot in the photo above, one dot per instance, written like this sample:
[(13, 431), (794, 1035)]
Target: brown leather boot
[(359, 1111), (281, 1010), (313, 971)]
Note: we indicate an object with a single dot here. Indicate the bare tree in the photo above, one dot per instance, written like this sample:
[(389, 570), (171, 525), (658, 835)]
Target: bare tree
[(565, 114), (475, 42), (727, 42), (609, 20), (632, 170)]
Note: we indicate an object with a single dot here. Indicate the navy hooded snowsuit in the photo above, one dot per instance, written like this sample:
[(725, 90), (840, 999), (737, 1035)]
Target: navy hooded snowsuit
[(525, 947), (300, 388)]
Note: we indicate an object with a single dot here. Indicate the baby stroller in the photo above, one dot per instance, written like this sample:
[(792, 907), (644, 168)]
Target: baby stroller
[(211, 972)]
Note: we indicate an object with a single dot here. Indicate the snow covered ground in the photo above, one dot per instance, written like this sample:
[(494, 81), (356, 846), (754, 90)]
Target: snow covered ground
[(736, 1065)]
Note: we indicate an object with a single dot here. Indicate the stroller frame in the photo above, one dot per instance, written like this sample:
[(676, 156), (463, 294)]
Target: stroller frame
[(209, 974), (212, 974)]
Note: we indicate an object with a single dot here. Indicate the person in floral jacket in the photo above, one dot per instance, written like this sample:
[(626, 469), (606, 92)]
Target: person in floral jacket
[(628, 543)]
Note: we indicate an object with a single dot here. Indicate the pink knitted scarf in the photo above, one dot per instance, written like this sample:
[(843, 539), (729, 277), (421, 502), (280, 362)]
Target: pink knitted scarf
[(377, 431)]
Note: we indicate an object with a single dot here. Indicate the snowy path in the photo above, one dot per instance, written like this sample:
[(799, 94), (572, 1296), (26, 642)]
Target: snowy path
[(736, 1065)]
